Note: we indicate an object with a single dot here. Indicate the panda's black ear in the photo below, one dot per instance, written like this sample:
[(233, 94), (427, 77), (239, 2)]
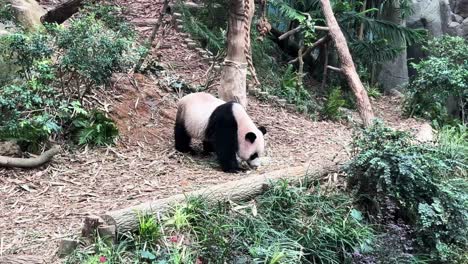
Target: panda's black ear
[(250, 137), (263, 129)]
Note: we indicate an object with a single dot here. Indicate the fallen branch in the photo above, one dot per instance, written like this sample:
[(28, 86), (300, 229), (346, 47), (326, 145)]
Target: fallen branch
[(334, 68), (30, 163), (21, 259), (311, 48), (126, 220), (62, 12), (299, 29)]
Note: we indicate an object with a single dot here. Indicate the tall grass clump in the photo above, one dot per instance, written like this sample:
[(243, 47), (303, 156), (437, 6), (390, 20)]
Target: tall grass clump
[(285, 225), (422, 187)]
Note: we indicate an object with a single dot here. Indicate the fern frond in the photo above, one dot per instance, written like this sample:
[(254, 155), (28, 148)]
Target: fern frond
[(288, 11), (381, 29), (375, 51)]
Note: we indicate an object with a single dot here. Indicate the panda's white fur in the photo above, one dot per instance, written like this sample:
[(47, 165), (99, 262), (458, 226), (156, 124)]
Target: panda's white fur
[(195, 110), (198, 112)]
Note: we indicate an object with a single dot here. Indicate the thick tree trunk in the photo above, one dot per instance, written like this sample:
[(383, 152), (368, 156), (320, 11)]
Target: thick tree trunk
[(126, 220), (234, 74), (347, 65)]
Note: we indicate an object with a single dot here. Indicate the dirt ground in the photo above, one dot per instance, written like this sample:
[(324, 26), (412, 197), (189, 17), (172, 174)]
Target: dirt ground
[(39, 207)]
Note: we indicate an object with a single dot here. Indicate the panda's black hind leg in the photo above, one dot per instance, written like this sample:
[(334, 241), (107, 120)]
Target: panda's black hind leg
[(182, 138), (207, 147)]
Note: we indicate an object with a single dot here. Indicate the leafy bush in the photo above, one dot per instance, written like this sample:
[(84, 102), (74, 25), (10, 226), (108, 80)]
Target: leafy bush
[(443, 76), (334, 102), (6, 12), (453, 140), (425, 187), (94, 128), (55, 67), (294, 93)]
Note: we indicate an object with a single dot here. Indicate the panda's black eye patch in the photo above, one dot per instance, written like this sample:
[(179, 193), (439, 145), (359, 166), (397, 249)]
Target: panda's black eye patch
[(253, 156)]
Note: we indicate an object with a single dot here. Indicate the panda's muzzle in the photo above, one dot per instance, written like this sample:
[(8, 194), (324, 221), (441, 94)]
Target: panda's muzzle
[(254, 161)]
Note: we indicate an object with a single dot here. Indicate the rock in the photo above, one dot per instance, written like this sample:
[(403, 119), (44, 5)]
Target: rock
[(28, 13), (10, 149), (463, 31), (66, 247), (457, 18), (191, 44), (395, 93), (394, 73), (177, 15), (264, 161), (426, 14), (454, 29), (425, 133), (282, 102), (461, 8)]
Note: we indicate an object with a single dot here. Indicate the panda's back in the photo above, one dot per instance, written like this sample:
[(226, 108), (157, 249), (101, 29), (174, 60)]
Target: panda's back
[(196, 109)]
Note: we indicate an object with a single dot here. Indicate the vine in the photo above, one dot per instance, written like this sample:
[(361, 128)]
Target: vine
[(247, 49)]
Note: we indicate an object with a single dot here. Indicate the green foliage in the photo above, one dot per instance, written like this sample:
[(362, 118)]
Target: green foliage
[(427, 185), (453, 140), (286, 225), (207, 25), (334, 102), (52, 69), (290, 90), (148, 228), (90, 50), (441, 78), (94, 128), (6, 12)]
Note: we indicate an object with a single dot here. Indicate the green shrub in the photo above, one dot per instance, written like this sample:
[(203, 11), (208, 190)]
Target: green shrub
[(426, 185), (288, 225), (453, 140), (53, 68), (6, 12), (294, 93), (334, 102), (94, 128), (443, 76)]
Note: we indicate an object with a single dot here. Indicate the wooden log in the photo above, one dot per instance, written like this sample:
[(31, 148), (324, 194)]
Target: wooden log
[(62, 12), (32, 162), (21, 259), (126, 220)]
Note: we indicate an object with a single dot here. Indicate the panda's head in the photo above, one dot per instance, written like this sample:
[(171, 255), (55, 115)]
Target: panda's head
[(252, 146)]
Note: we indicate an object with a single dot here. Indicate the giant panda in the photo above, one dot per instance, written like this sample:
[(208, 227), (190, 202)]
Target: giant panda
[(223, 127)]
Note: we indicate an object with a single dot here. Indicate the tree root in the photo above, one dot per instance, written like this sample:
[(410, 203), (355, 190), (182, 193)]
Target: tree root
[(32, 162)]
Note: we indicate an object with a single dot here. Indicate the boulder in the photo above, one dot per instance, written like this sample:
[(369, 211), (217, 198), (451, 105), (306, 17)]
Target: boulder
[(461, 8), (427, 14), (28, 13), (456, 18)]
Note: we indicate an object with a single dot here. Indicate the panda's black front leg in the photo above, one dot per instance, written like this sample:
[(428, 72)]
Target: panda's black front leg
[(228, 161), (207, 147)]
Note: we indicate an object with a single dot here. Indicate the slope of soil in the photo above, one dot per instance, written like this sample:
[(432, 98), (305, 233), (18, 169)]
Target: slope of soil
[(39, 207)]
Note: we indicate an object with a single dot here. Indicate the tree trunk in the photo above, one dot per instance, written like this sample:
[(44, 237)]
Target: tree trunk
[(234, 74), (63, 11), (126, 220), (347, 65)]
